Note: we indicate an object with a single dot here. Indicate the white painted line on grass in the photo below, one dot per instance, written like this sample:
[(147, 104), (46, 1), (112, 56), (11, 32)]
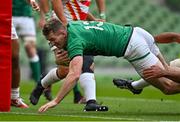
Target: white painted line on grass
[(100, 117), (138, 99), (64, 115)]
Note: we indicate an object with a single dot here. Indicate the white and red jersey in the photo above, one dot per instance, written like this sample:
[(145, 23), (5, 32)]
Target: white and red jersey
[(76, 9)]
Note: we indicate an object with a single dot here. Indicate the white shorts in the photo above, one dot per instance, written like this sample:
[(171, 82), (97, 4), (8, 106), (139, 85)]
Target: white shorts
[(138, 52), (25, 27), (149, 40), (14, 35)]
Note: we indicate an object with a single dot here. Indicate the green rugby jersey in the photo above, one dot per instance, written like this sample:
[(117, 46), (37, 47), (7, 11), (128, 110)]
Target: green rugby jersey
[(21, 8), (97, 38)]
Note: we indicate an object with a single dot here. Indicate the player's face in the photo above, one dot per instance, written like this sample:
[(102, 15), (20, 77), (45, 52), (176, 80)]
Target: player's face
[(57, 39)]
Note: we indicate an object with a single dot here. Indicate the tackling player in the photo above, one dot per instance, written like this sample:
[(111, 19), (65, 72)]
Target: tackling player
[(136, 87)]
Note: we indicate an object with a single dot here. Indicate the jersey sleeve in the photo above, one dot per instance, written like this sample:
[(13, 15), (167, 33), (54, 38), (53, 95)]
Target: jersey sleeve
[(75, 48)]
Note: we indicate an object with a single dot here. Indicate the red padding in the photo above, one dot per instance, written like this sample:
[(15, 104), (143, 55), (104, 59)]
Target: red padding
[(5, 54)]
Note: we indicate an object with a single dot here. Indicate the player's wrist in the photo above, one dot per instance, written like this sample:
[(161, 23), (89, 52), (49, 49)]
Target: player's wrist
[(165, 71), (57, 101), (102, 15), (48, 15)]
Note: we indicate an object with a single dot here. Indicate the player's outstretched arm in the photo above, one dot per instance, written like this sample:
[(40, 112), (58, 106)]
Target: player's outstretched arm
[(75, 68), (167, 37), (101, 7), (44, 5), (162, 60), (59, 10), (173, 73), (45, 13), (91, 17), (155, 71)]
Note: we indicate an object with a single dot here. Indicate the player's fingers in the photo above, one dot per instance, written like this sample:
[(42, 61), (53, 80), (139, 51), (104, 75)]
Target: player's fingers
[(64, 54), (65, 57), (148, 75), (41, 109), (35, 6), (67, 60), (62, 58), (153, 67), (45, 108), (148, 69), (147, 72), (59, 54), (37, 9)]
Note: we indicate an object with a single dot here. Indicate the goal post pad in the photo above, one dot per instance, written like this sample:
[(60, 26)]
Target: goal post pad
[(5, 54)]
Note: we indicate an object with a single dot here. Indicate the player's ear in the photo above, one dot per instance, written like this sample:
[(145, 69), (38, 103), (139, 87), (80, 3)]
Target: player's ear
[(64, 32)]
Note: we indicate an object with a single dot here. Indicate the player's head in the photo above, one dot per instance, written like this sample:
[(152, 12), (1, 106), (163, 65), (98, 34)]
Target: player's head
[(55, 32)]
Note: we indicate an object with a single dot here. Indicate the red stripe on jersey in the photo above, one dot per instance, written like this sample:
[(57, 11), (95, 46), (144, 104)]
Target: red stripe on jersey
[(68, 5), (79, 11), (86, 3), (82, 15)]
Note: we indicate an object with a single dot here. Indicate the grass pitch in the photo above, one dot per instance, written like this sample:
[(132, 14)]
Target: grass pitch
[(151, 105)]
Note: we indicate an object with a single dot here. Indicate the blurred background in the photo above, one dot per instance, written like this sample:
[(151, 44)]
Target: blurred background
[(156, 16)]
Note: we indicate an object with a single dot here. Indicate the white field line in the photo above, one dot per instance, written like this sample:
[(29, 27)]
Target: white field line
[(76, 116), (137, 99), (100, 117)]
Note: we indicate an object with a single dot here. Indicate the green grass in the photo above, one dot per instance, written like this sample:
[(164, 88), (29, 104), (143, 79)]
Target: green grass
[(151, 105)]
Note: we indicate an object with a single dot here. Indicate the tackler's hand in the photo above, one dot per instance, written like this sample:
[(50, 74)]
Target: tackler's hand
[(34, 5)]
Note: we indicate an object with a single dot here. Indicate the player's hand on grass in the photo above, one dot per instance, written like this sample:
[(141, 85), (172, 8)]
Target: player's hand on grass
[(48, 105), (153, 72), (34, 5), (61, 57)]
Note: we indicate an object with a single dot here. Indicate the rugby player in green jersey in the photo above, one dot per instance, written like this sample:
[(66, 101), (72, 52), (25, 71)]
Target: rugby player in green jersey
[(106, 39)]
